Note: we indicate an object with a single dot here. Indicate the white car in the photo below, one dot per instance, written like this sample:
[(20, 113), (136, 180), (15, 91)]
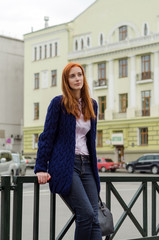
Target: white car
[(7, 165)]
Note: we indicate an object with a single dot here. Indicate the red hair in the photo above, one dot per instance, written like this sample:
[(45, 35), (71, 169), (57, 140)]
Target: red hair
[(70, 102)]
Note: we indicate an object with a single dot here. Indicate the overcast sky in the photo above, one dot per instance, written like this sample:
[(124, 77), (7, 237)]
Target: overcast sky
[(17, 17)]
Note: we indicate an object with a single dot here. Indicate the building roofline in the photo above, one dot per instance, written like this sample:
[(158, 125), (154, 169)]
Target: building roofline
[(65, 23), (11, 38), (42, 29), (84, 11)]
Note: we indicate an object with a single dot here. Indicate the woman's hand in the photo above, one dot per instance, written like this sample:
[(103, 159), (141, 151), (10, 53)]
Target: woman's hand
[(43, 177)]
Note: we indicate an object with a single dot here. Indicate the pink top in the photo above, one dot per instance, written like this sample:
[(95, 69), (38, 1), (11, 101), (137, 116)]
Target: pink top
[(82, 128)]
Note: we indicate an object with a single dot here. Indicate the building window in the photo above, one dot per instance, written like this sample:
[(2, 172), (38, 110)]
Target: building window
[(101, 74), (146, 67), (123, 68), (56, 49), (143, 136), (99, 138), (45, 51), (88, 41), (122, 33), (101, 40), (50, 49), (53, 77), (146, 101), (145, 29), (82, 44), (36, 111), (35, 140), (36, 81), (35, 53), (84, 68), (102, 107), (40, 52), (123, 103), (76, 45)]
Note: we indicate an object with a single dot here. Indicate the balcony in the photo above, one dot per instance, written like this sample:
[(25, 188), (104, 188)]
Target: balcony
[(100, 83), (142, 113), (101, 116), (145, 77)]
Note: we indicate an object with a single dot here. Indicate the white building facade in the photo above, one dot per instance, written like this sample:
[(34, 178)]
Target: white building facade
[(11, 93)]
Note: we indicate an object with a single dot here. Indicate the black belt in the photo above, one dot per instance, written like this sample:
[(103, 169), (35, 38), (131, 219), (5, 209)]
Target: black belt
[(82, 157)]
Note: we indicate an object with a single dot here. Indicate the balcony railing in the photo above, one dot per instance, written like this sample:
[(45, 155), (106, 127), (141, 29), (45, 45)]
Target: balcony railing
[(101, 116), (142, 113), (100, 83), (144, 76), (146, 112)]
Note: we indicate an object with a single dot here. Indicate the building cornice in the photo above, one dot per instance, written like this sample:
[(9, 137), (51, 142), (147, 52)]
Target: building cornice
[(112, 49), (120, 122)]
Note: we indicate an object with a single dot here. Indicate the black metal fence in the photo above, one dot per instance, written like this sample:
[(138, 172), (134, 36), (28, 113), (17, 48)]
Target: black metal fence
[(6, 188)]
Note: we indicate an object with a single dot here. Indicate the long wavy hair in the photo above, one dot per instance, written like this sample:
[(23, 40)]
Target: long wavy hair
[(70, 102)]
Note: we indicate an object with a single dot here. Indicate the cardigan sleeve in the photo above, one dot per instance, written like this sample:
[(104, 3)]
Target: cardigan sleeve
[(47, 137)]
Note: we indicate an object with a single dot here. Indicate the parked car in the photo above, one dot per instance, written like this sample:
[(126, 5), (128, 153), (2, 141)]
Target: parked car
[(7, 165), (106, 164), (147, 163), (21, 164), (30, 161)]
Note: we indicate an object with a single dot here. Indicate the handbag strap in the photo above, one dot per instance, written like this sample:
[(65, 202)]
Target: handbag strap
[(100, 201)]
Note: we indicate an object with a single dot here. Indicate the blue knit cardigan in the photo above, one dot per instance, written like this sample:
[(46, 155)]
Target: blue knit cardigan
[(56, 147)]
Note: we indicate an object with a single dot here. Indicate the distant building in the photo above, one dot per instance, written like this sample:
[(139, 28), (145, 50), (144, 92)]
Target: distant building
[(117, 42), (11, 93)]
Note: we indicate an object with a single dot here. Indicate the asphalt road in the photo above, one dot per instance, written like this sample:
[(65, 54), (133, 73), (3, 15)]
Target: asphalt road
[(126, 190)]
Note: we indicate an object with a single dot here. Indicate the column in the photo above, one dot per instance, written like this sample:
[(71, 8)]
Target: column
[(110, 98), (132, 90), (155, 103), (90, 78)]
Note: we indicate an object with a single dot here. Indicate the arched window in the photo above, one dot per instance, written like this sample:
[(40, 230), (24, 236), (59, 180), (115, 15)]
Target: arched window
[(101, 40), (76, 45), (145, 29), (82, 44), (88, 41)]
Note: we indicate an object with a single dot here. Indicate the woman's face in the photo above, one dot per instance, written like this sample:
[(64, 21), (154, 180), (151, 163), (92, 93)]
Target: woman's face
[(75, 79)]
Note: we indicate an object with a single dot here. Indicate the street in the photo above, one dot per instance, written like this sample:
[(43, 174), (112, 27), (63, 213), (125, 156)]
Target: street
[(126, 190)]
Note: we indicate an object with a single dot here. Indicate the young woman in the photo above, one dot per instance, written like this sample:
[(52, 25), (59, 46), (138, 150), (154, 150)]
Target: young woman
[(67, 152)]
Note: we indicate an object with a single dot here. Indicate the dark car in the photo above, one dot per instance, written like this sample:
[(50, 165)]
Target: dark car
[(106, 164), (147, 163)]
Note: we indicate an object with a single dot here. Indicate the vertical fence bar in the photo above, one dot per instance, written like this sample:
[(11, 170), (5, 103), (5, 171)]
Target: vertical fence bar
[(153, 209), (36, 212), (145, 227), (52, 216), (17, 210), (5, 208), (108, 195)]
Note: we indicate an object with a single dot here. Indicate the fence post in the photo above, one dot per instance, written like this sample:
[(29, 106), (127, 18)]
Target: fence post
[(5, 208), (52, 216), (36, 212), (153, 209), (145, 209), (17, 209)]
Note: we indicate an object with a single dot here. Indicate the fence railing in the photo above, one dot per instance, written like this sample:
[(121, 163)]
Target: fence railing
[(6, 188)]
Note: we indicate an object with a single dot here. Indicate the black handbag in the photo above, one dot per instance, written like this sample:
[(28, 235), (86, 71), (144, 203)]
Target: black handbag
[(105, 218)]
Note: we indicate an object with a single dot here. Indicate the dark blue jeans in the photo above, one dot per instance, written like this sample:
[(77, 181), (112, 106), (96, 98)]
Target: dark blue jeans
[(83, 199)]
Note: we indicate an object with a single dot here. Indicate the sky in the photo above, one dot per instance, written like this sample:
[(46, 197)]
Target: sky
[(18, 17)]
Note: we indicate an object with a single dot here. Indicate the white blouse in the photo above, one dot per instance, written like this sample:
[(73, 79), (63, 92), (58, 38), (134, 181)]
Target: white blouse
[(82, 128)]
